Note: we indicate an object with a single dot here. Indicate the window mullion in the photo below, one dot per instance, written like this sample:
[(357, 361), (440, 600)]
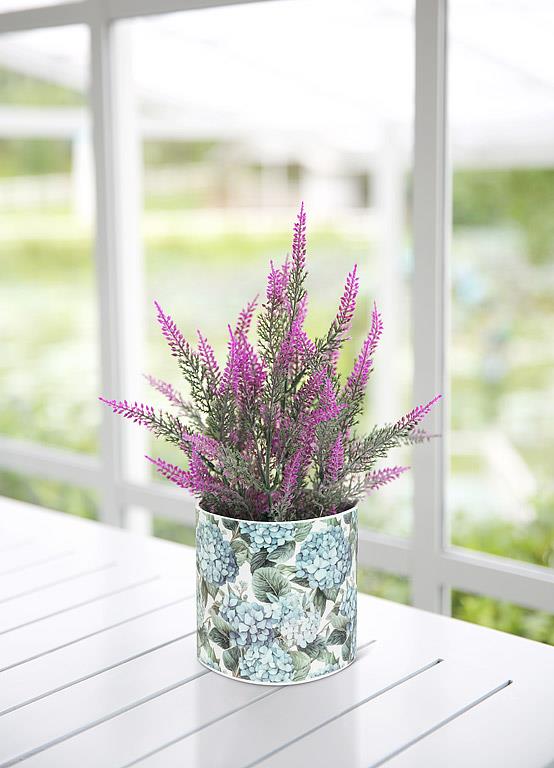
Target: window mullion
[(119, 267), (430, 294)]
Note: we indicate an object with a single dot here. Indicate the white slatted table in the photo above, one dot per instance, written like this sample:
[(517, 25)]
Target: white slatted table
[(98, 670)]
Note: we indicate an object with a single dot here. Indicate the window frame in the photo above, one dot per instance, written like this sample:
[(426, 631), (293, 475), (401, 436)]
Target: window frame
[(433, 566)]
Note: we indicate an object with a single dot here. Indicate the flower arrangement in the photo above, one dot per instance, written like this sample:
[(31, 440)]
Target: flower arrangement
[(270, 437)]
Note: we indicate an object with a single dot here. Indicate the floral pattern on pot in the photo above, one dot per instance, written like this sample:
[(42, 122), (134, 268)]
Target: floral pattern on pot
[(276, 602)]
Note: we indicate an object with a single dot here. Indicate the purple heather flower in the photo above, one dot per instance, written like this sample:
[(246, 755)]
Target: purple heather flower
[(299, 241), (359, 376), (177, 342), (202, 444), (291, 474), (166, 389), (328, 406), (412, 419), (245, 318), (139, 413), (295, 346), (244, 373), (277, 282), (335, 461), (207, 357), (265, 420), (345, 313), (229, 379), (173, 473), (380, 477)]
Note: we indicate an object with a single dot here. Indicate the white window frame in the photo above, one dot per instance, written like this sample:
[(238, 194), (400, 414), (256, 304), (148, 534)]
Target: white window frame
[(431, 564)]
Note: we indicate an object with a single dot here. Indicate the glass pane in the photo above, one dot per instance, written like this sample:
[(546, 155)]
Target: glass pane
[(230, 153), (501, 491), (48, 367), (385, 585), (173, 531), (50, 493), (536, 625)]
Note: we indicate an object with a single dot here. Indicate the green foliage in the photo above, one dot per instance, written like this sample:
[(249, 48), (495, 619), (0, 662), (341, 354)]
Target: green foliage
[(524, 197), (50, 494), (385, 585), (34, 157), (535, 625), (25, 90), (532, 542)]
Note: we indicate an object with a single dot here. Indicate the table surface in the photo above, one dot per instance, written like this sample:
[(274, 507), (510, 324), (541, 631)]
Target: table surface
[(98, 669)]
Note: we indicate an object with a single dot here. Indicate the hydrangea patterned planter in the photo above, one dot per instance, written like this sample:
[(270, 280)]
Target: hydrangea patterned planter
[(276, 602)]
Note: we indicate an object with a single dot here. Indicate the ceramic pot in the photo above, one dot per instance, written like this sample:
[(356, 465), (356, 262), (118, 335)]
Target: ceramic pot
[(276, 602)]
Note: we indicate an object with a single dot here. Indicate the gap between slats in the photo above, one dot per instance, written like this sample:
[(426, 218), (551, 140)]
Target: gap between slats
[(139, 702), (93, 634), (116, 664), (441, 724), (100, 720), (346, 711), (61, 580), (186, 735), (140, 583), (16, 545), (34, 563)]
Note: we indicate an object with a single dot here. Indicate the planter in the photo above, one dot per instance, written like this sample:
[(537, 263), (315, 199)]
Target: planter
[(276, 602)]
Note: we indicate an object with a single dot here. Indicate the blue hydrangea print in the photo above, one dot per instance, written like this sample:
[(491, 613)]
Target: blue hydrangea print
[(276, 602), (298, 625), (267, 664), (324, 558), (251, 623), (267, 536), (216, 559)]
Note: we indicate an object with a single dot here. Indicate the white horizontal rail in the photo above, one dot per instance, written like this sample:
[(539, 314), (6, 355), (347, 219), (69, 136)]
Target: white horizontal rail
[(64, 14), (497, 577), (123, 9), (51, 463), (48, 16)]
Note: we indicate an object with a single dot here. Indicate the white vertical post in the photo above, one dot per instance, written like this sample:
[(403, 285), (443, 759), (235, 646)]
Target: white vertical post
[(430, 294), (119, 266)]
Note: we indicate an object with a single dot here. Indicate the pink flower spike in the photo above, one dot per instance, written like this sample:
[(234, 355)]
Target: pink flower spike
[(277, 282), (204, 445), (136, 412), (299, 241), (245, 317), (359, 376), (412, 419), (290, 475), (335, 462), (207, 356), (171, 472), (380, 477), (347, 304), (177, 342), (165, 389)]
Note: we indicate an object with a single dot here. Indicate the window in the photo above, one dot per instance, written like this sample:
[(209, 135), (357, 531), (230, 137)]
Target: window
[(202, 139)]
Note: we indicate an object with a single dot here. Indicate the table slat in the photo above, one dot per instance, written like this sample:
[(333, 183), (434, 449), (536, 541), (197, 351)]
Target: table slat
[(34, 640), (306, 707), (514, 730), (100, 697), (71, 594), (160, 720), (365, 737), (93, 655), (41, 577)]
